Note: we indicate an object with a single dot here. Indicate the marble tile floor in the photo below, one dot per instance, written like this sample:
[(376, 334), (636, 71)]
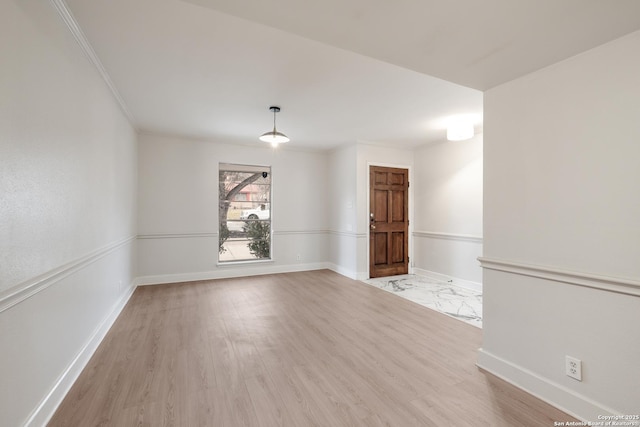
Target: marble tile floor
[(461, 303)]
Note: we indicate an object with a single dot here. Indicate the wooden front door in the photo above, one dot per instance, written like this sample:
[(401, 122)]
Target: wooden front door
[(388, 221)]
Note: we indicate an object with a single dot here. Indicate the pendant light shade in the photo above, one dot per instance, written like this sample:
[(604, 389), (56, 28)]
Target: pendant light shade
[(274, 137)]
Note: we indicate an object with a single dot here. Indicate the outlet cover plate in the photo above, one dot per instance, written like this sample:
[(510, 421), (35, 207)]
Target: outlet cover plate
[(573, 367)]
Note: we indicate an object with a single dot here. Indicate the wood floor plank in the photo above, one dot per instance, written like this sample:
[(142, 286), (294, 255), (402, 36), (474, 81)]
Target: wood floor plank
[(295, 349)]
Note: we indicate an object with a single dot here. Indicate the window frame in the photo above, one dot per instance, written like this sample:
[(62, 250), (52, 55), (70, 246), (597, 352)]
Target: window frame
[(244, 168)]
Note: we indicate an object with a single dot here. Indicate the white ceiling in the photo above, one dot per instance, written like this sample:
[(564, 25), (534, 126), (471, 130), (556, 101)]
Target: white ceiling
[(342, 70)]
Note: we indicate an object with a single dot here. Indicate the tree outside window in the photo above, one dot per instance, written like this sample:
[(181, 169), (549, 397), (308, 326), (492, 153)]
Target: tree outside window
[(244, 213)]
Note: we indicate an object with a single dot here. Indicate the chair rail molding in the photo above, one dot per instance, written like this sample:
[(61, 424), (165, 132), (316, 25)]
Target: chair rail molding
[(303, 232), (192, 235), (348, 234), (28, 288), (589, 280), (449, 236), (176, 235)]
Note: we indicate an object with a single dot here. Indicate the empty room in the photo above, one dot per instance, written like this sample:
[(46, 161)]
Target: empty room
[(339, 213)]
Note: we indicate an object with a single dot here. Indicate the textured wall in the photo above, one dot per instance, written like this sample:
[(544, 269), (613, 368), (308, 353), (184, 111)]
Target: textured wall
[(67, 209)]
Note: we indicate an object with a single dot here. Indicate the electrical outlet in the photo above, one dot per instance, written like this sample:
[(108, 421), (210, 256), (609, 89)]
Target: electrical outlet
[(298, 257), (573, 367)]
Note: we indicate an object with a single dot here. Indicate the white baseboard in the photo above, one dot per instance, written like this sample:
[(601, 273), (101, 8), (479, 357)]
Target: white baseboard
[(476, 286), (228, 273), (343, 271), (363, 275), (47, 407), (555, 394), (351, 274)]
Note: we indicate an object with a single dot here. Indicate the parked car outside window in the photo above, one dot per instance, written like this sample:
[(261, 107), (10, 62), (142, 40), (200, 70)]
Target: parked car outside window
[(261, 213)]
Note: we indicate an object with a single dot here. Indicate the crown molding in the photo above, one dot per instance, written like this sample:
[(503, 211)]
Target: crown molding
[(74, 28)]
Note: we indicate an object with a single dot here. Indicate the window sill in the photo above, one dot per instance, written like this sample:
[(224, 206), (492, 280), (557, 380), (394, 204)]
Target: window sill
[(243, 262)]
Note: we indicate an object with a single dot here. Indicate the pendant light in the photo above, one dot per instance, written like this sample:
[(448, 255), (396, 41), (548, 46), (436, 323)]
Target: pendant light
[(274, 137)]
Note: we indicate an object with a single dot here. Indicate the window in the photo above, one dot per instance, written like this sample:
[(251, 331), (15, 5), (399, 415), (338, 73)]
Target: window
[(244, 213)]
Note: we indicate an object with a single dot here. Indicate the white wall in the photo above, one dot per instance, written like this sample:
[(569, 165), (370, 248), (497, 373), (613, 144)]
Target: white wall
[(343, 238), (561, 230), (349, 203), (448, 206), (67, 210), (178, 208)]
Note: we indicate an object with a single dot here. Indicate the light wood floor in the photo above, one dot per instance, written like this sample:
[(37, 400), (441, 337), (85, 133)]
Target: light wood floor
[(296, 349)]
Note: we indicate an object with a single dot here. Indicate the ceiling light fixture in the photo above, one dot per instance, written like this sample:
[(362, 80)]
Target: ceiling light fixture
[(460, 131), (274, 137)]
